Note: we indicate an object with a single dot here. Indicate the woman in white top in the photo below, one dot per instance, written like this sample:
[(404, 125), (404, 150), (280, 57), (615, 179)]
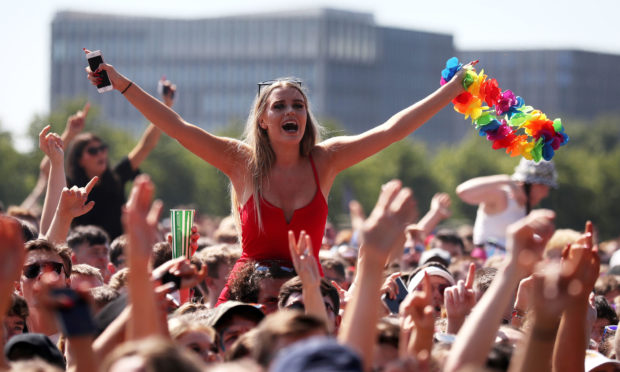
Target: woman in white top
[(503, 199)]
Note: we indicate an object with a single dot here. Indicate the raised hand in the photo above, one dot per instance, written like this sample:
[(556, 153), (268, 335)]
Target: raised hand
[(523, 301), (170, 93), (581, 263), (356, 211), (390, 287), (417, 309), (119, 82), (343, 294), (140, 218), (51, 145), (459, 299), (441, 205), (303, 259), (417, 319), (458, 77), (140, 222), (526, 240), (76, 122), (384, 230), (73, 202)]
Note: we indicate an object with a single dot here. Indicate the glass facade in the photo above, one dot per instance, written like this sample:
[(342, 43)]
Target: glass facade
[(355, 71)]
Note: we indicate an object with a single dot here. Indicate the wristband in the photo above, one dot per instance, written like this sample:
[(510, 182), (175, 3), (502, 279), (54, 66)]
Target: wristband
[(127, 87)]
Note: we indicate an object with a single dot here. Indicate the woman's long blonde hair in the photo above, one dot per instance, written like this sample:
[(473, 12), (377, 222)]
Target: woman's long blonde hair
[(262, 155)]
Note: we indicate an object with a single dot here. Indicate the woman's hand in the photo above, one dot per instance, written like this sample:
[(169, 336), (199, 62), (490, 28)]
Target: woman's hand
[(460, 74), (119, 82), (51, 145)]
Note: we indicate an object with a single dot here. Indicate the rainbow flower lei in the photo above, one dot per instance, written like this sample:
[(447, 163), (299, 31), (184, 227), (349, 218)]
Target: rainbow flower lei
[(504, 118)]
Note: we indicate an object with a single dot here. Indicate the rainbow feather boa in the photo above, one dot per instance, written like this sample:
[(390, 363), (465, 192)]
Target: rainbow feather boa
[(504, 118)]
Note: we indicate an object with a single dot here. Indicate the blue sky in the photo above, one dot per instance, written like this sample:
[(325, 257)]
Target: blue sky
[(475, 24)]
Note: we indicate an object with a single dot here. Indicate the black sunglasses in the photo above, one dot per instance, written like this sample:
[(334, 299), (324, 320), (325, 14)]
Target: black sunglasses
[(96, 149), (33, 270), (267, 83)]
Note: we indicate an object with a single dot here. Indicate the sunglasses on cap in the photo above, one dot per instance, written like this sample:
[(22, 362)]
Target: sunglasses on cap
[(33, 270), (267, 83), (94, 150)]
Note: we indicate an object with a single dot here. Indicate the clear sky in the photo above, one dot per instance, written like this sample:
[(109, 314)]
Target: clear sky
[(475, 24)]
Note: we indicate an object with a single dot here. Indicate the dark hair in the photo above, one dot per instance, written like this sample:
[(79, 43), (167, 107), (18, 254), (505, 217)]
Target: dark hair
[(388, 332), (117, 248), (499, 357), (245, 286), (103, 295), (91, 234), (159, 355), (162, 253), (294, 285), (44, 245), (527, 188), (75, 172), (19, 307), (27, 218), (291, 325), (604, 310), (450, 236), (214, 256), (606, 284), (334, 264)]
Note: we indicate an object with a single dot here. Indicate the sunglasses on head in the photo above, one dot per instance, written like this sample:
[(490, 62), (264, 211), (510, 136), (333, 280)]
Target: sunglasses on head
[(267, 83), (263, 267), (94, 150), (33, 270)]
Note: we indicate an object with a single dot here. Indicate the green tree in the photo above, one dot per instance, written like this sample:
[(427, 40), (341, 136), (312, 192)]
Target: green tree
[(18, 172)]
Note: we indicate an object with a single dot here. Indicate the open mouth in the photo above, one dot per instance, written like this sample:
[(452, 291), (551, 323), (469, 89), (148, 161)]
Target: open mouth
[(290, 127)]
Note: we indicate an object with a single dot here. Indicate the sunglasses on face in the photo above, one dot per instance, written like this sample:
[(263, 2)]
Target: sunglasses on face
[(94, 150), (33, 270), (267, 83)]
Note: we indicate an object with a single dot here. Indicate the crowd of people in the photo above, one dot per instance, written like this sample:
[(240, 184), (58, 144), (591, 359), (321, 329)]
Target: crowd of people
[(88, 281)]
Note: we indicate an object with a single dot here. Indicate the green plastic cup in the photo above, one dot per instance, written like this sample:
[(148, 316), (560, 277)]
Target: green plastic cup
[(181, 222)]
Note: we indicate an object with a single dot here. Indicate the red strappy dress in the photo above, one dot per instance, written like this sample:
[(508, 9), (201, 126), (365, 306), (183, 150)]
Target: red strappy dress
[(272, 242)]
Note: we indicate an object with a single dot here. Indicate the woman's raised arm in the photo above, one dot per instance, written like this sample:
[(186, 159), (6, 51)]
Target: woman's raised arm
[(346, 151), (227, 154)]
